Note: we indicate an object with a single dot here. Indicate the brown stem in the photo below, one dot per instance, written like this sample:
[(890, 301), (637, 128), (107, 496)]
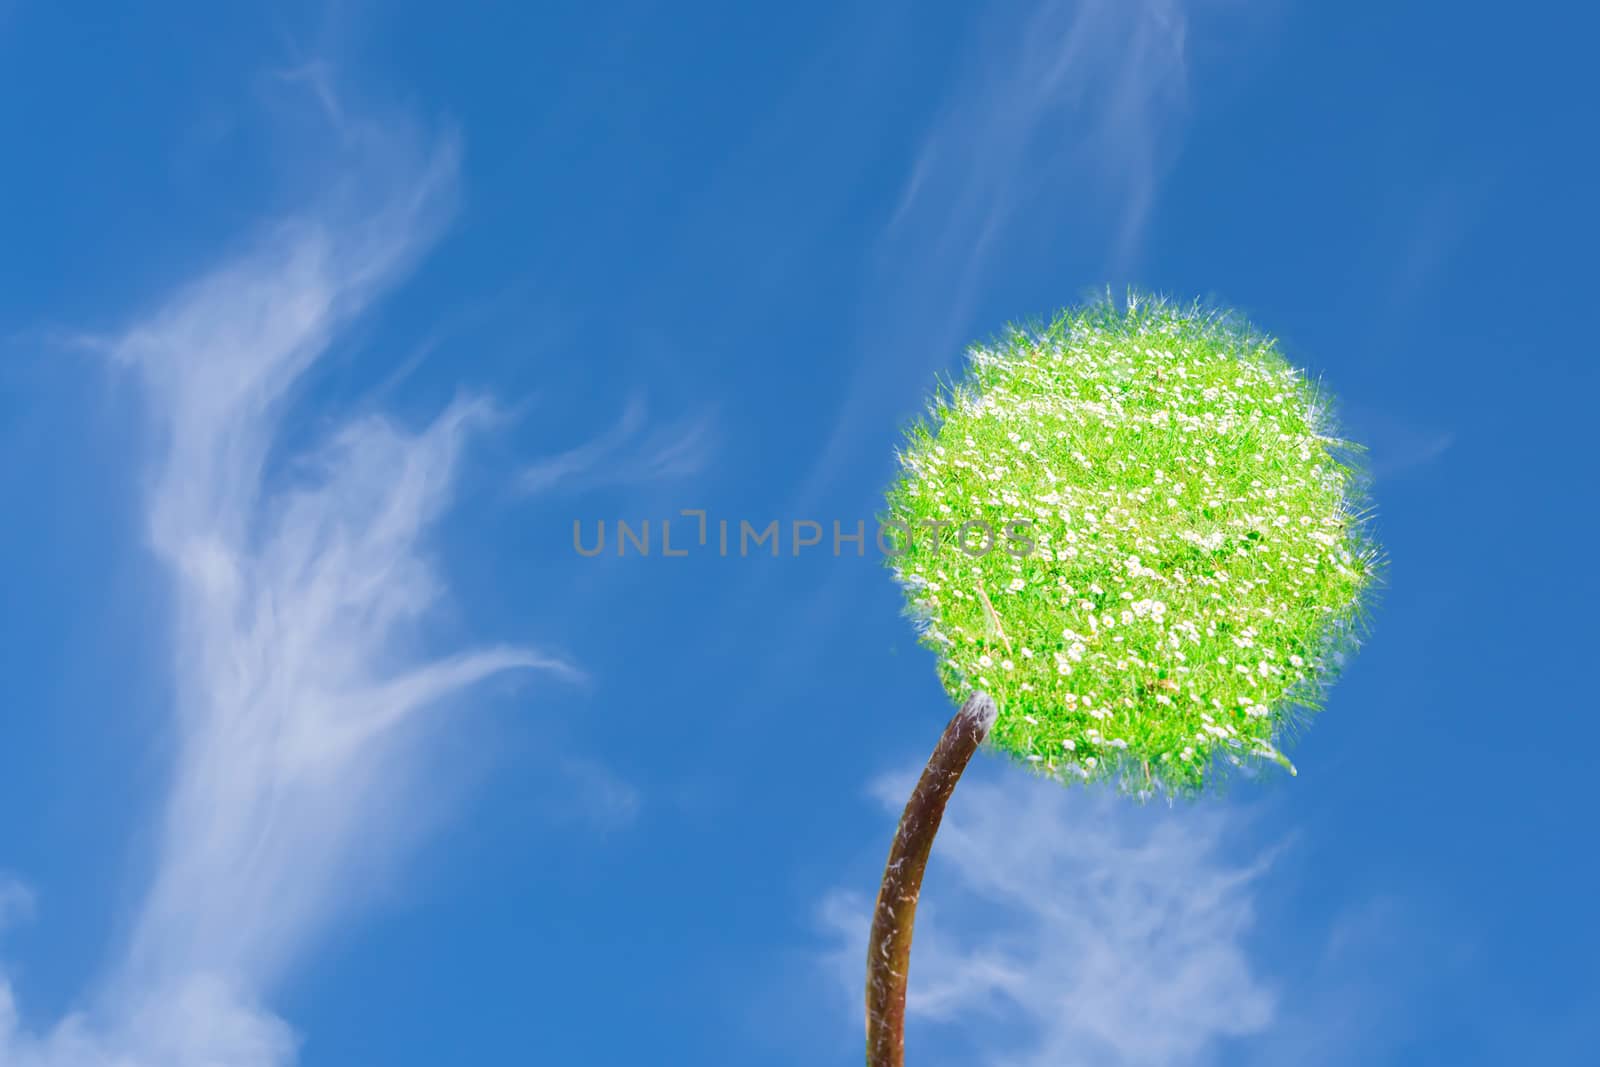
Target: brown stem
[(889, 945)]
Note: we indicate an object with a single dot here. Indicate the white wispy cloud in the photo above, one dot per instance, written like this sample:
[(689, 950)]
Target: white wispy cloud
[(1076, 102), (1436, 229), (1070, 928), (16, 901), (594, 795), (1395, 444), (630, 452), (304, 698)]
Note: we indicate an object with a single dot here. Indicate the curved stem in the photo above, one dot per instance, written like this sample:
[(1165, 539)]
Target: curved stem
[(889, 945)]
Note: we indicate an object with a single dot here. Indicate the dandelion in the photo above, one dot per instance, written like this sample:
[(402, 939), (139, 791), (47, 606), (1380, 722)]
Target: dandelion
[(1197, 550)]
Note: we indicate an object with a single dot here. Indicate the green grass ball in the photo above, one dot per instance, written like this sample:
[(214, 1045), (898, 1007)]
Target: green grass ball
[(1137, 530)]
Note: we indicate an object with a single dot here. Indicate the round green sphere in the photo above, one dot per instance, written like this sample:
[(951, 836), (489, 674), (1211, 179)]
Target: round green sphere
[(1136, 530)]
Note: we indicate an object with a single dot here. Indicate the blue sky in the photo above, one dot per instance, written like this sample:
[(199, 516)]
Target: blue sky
[(319, 328)]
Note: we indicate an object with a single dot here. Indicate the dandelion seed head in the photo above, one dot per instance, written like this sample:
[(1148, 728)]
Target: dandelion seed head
[(1199, 571)]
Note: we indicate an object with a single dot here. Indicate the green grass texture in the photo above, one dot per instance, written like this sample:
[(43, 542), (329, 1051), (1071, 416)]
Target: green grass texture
[(1138, 531)]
